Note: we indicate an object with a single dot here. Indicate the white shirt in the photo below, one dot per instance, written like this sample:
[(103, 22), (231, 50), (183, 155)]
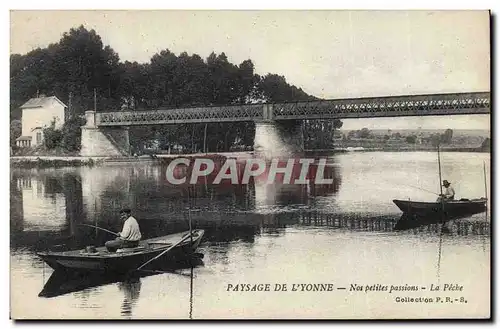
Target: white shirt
[(449, 192), (131, 231)]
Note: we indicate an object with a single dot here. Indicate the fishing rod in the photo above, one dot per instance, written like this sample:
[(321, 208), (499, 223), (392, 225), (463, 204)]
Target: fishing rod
[(439, 167), (423, 189), (442, 215), (440, 187), (100, 228)]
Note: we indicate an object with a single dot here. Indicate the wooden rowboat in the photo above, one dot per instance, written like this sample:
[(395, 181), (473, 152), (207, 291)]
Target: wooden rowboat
[(126, 259), (450, 209), (65, 282)]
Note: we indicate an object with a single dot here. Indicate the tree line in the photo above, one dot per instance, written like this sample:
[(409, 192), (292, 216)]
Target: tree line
[(433, 139), (83, 72)]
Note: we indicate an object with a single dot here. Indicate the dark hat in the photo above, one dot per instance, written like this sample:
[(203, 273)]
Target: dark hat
[(445, 182), (125, 211)]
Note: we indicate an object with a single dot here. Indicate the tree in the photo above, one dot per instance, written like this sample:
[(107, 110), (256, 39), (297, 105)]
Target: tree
[(246, 80), (52, 137), (28, 77), (411, 139), (320, 133), (436, 139), (86, 64), (351, 134), (72, 133), (447, 136), (15, 131), (77, 64), (274, 88), (364, 133)]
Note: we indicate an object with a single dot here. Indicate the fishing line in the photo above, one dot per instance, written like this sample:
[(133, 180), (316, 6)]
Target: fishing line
[(407, 185)]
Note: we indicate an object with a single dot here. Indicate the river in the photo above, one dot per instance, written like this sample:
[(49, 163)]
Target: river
[(340, 234)]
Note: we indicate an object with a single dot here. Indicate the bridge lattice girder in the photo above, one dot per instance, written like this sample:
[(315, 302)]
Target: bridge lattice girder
[(414, 105)]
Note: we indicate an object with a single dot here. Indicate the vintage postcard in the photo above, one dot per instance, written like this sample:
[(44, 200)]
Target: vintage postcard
[(189, 164)]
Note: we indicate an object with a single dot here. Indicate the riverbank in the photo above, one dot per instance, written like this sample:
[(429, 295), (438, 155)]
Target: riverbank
[(49, 161), (54, 161), (401, 149)]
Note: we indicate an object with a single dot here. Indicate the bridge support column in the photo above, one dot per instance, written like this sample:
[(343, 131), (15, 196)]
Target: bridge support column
[(279, 138), (103, 141)]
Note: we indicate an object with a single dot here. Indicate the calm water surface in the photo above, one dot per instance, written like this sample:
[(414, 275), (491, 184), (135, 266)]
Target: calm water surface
[(340, 233)]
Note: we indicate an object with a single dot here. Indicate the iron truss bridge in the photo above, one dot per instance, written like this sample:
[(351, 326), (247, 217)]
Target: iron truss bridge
[(395, 106)]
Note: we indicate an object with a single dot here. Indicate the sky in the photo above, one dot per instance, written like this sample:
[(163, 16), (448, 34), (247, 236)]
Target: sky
[(329, 54)]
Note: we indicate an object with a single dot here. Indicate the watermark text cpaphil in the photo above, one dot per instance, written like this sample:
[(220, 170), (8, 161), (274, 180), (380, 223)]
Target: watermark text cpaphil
[(297, 171)]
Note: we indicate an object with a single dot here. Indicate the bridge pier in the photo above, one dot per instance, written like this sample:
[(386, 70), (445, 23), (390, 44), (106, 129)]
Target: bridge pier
[(103, 141), (279, 138)]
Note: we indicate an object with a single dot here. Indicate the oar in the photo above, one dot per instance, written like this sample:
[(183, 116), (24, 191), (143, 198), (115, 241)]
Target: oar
[(164, 252), (100, 228), (164, 272)]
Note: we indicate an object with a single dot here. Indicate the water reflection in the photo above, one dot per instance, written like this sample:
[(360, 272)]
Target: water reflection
[(227, 212), (250, 230), (131, 289), (50, 204), (129, 284), (44, 203), (191, 282), (463, 227)]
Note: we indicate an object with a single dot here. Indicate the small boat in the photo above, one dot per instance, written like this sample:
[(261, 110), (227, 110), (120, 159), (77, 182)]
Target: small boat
[(450, 209), (440, 211), (65, 282), (181, 246)]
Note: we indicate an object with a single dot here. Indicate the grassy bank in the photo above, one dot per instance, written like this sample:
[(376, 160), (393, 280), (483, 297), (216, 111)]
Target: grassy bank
[(53, 162)]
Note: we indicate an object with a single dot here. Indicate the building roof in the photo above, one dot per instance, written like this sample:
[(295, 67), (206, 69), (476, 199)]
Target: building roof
[(40, 102), (24, 138)]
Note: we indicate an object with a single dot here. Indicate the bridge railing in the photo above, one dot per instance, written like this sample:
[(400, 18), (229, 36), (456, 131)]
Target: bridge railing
[(412, 105), (471, 103), (248, 112)]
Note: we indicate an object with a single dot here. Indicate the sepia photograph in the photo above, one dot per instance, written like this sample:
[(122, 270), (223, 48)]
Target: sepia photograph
[(250, 164)]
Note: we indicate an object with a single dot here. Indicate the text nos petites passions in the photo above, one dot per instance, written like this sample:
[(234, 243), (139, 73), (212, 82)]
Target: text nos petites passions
[(248, 287)]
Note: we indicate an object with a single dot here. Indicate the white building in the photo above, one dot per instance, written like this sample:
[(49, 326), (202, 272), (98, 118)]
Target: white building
[(37, 114)]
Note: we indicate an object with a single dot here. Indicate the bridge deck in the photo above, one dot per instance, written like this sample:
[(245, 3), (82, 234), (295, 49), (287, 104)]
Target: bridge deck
[(392, 106)]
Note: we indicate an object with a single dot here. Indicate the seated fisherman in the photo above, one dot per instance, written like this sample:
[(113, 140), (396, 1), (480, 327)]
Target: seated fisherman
[(130, 235), (448, 193)]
